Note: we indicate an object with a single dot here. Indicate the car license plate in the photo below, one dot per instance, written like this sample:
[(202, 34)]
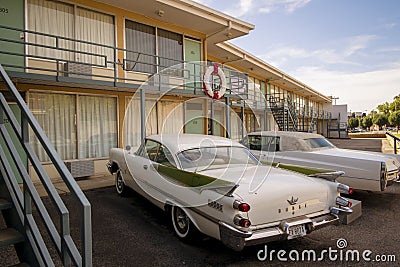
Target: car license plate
[(297, 231)]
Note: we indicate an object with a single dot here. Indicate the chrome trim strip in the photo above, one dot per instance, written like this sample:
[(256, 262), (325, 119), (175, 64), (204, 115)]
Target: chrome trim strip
[(238, 232)]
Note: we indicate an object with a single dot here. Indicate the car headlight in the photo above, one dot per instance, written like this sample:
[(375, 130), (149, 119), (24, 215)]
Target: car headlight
[(383, 168)]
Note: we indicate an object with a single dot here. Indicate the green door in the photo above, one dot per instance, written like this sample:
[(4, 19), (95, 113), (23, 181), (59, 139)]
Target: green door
[(194, 114), (17, 113), (193, 66), (12, 15)]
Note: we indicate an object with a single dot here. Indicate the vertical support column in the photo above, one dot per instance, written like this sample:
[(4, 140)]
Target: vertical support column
[(228, 117), (242, 117), (142, 115), (211, 119), (265, 119)]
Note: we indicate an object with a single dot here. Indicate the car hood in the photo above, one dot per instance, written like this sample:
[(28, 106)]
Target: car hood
[(275, 194), (391, 162)]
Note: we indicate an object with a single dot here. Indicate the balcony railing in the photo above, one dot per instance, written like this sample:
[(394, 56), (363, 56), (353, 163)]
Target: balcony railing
[(31, 52)]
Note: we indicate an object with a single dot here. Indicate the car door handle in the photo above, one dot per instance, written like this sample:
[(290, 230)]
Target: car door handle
[(145, 167)]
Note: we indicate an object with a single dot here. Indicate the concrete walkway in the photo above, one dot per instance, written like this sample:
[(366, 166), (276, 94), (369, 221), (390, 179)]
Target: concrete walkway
[(85, 184)]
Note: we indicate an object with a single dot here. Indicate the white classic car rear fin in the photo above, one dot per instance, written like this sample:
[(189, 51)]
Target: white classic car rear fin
[(331, 176)]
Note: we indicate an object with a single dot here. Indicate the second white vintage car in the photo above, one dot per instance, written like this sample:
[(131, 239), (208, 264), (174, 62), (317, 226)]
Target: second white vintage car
[(371, 171), (215, 186)]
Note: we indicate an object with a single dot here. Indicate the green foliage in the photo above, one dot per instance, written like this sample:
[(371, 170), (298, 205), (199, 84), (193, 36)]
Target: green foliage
[(394, 119), (353, 123), (384, 108), (395, 105), (380, 119), (367, 122)]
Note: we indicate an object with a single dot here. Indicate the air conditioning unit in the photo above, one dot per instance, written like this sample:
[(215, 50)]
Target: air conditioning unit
[(76, 70), (80, 168)]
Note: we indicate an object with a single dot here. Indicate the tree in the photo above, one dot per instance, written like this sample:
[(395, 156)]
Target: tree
[(367, 122), (394, 119), (384, 108), (395, 105), (380, 119), (353, 123)]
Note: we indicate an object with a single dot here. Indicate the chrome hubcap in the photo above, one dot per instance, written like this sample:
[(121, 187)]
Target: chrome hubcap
[(182, 221), (120, 183)]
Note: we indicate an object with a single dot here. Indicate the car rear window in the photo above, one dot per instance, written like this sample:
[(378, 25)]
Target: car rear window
[(318, 142)]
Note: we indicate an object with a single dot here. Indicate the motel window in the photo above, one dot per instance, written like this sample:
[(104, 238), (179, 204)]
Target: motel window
[(162, 117), (78, 126), (74, 22), (145, 43), (141, 46), (170, 48), (97, 125)]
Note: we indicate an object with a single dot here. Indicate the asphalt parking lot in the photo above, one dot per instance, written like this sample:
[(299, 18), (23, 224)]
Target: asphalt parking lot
[(131, 232)]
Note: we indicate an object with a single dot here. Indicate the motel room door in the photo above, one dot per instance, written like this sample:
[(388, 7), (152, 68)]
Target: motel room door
[(193, 68), (12, 15)]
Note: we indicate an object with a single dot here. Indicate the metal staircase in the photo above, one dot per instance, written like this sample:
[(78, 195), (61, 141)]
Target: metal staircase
[(29, 228), (284, 113)]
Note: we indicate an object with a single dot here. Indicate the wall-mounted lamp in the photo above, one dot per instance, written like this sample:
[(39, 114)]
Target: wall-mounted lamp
[(160, 12)]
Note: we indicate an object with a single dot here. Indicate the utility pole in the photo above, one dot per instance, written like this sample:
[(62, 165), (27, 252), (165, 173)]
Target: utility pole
[(334, 98)]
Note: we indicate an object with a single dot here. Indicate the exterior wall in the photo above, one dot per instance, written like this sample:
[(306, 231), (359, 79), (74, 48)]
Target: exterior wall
[(255, 115)]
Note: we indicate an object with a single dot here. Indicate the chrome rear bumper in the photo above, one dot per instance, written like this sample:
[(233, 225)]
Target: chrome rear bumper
[(237, 239)]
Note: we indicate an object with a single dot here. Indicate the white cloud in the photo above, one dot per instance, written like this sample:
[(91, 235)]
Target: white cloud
[(357, 43), (241, 8), (284, 54), (292, 5), (389, 26), (361, 91)]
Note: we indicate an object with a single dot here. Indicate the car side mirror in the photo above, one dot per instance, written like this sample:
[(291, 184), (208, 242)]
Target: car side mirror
[(128, 147)]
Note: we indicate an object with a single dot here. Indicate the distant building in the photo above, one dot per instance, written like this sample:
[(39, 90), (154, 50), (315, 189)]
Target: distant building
[(338, 125)]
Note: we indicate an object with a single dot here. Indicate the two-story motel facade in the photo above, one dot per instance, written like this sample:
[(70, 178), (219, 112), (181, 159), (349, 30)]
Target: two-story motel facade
[(79, 63)]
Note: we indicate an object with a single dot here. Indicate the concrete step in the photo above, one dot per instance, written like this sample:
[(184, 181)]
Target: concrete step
[(4, 204), (10, 236)]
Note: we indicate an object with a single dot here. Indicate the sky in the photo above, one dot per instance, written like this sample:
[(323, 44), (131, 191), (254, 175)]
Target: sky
[(345, 48)]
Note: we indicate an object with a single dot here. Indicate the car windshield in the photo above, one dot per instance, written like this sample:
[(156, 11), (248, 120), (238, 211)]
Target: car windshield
[(318, 142), (205, 158)]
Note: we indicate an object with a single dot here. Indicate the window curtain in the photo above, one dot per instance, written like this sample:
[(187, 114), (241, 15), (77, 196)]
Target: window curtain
[(56, 115), (131, 127), (151, 117), (96, 28), (141, 46), (170, 48), (132, 121), (50, 17), (97, 126), (236, 126), (170, 117)]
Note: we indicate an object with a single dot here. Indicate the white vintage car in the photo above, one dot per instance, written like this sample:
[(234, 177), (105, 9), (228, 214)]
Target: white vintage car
[(216, 186), (363, 170)]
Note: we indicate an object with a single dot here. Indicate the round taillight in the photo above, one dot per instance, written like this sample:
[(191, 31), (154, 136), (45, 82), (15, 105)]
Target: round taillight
[(244, 207), (244, 223), (349, 204), (351, 190)]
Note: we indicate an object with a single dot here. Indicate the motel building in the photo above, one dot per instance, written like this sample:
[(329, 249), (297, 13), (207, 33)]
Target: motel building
[(103, 74)]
